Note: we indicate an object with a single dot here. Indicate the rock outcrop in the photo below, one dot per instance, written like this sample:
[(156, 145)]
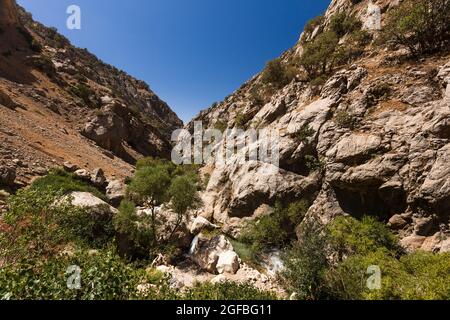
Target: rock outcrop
[(61, 104), (374, 139)]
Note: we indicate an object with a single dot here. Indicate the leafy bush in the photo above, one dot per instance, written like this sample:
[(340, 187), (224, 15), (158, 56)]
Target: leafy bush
[(39, 225), (342, 24), (134, 233), (277, 73), (85, 94), (312, 24), (318, 55), (416, 276), (274, 230), (227, 291), (351, 236), (420, 26), (303, 134), (306, 263), (345, 120), (103, 276), (60, 180)]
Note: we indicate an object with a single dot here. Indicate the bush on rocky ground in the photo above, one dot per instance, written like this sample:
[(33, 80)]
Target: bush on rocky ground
[(420, 26), (336, 262), (274, 230)]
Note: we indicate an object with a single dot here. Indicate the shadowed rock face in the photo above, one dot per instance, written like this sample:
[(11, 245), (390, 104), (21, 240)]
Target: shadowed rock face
[(8, 13)]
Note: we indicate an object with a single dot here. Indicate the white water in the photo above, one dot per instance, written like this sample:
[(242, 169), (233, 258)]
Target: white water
[(272, 262), (193, 245)]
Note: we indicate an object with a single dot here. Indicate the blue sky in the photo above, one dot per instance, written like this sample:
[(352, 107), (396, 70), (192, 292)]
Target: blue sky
[(191, 52)]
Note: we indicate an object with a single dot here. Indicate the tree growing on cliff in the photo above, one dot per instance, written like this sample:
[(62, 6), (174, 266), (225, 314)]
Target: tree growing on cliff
[(421, 26)]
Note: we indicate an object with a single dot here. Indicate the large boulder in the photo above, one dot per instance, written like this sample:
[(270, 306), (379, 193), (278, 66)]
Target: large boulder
[(207, 250), (228, 262), (115, 191), (199, 224), (7, 176), (90, 202), (6, 101)]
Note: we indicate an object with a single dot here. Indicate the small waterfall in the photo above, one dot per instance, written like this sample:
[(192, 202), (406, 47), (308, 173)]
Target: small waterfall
[(273, 263), (193, 245)]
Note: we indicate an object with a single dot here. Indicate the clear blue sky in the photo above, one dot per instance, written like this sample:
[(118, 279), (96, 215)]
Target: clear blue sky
[(191, 52)]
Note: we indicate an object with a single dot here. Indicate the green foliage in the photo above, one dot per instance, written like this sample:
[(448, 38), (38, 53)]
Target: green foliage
[(221, 126), (303, 134), (134, 233), (312, 163), (416, 276), (306, 263), (420, 26), (38, 223), (333, 262), (103, 276), (342, 24), (241, 120), (312, 24), (318, 55), (85, 94), (150, 185), (227, 291), (278, 74), (345, 120), (62, 181), (351, 236), (274, 230)]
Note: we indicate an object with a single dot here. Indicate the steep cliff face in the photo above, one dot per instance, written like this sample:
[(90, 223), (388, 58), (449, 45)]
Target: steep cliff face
[(372, 138), (59, 103), (8, 13)]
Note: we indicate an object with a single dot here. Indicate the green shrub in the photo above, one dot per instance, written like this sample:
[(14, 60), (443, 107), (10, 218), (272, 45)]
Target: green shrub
[(103, 276), (351, 236), (312, 24), (345, 120), (60, 180), (85, 94), (277, 74), (416, 276), (221, 126), (306, 263), (241, 120), (274, 230), (39, 224), (227, 291), (134, 233), (420, 26), (318, 55), (342, 24), (303, 134)]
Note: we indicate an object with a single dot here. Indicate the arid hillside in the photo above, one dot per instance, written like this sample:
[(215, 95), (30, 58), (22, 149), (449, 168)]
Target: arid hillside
[(61, 104)]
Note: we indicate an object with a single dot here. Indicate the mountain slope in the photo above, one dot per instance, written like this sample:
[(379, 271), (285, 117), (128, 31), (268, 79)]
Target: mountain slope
[(59, 103), (369, 137)]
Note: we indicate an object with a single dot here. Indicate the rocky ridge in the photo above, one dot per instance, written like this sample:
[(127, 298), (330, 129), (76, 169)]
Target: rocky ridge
[(61, 104), (378, 134)]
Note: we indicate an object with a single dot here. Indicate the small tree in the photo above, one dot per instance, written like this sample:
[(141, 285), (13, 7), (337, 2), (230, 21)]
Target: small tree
[(318, 56), (150, 185), (421, 26), (183, 197)]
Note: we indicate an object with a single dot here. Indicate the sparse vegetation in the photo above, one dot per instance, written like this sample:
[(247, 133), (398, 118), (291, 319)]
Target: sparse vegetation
[(345, 119), (278, 74), (86, 95), (420, 26)]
